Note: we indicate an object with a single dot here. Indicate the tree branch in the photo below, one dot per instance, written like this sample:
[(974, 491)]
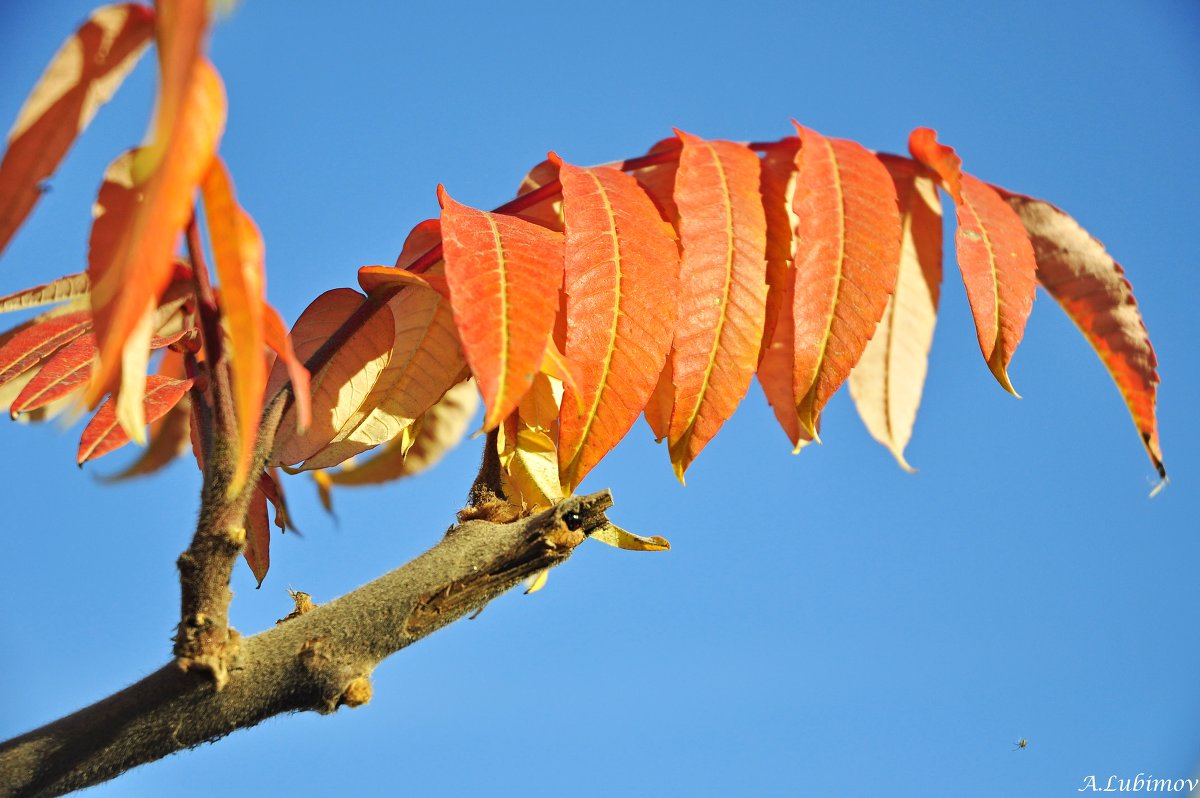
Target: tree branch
[(316, 661), (204, 639)]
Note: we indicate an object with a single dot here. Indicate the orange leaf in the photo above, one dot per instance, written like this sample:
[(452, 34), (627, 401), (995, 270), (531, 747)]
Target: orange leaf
[(943, 160), (343, 383), (546, 212), (847, 256), (658, 180), (25, 349), (659, 405), (437, 431), (238, 252), (776, 358), (276, 337), (82, 76), (723, 290), (179, 29), (776, 366), (143, 206), (372, 277), (621, 276), (421, 241), (1091, 287), (887, 382), (504, 275), (994, 256), (102, 434), (777, 184)]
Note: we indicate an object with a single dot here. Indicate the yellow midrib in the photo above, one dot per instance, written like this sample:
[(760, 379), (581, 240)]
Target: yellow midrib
[(841, 261), (610, 350), (498, 245), (712, 352)]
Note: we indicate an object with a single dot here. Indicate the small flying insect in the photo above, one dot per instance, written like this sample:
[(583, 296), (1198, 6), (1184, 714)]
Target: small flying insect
[(1021, 744)]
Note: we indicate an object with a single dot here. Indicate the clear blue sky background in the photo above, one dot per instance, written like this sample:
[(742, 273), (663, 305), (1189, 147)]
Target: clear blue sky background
[(826, 624)]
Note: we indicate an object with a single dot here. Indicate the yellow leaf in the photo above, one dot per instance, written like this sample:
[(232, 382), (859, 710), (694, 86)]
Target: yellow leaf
[(613, 535), (526, 443), (537, 581)]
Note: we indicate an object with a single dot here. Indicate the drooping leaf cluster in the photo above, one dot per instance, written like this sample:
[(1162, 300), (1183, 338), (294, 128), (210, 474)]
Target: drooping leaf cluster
[(655, 287)]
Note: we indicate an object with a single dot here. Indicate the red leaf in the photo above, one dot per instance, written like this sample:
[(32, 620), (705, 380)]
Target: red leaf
[(722, 278), (65, 371), (23, 351), (170, 437), (621, 278), (82, 76), (504, 275), (258, 536), (1091, 287), (103, 435), (847, 255), (272, 488), (994, 256)]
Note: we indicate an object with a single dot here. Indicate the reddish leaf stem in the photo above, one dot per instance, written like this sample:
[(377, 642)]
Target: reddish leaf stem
[(219, 391)]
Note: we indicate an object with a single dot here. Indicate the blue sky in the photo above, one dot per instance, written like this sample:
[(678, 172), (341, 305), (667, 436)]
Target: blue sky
[(826, 624)]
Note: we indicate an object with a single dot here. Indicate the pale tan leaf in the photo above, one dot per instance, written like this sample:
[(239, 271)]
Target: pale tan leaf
[(343, 383), (425, 361), (437, 431), (887, 382), (70, 287), (613, 535)]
